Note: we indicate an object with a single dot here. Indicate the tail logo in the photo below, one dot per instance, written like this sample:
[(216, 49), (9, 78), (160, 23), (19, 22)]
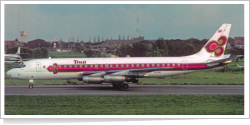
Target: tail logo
[(217, 46)]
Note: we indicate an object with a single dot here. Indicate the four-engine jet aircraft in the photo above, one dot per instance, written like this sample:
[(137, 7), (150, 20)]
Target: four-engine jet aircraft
[(119, 70), (14, 58)]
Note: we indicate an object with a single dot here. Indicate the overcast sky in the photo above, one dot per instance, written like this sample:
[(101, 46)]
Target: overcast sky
[(49, 22)]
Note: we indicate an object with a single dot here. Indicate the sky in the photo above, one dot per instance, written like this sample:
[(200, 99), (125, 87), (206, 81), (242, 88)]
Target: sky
[(85, 21)]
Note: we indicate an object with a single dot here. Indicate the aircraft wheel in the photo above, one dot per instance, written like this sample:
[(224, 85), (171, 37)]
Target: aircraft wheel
[(30, 86), (116, 86), (125, 86)]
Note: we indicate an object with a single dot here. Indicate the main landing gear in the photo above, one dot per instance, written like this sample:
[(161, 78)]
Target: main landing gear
[(31, 83), (120, 85)]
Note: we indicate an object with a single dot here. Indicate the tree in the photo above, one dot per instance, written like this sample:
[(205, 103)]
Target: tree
[(44, 52), (139, 49), (94, 40), (27, 53), (12, 50), (154, 52), (88, 52), (173, 48), (98, 39), (37, 53), (124, 50), (236, 51), (187, 49), (161, 44)]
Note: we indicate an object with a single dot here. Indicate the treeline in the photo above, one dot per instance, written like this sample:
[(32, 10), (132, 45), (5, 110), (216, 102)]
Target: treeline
[(26, 52), (161, 47), (170, 48)]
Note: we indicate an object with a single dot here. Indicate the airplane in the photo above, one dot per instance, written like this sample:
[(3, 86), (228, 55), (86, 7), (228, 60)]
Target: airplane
[(119, 70), (14, 58)]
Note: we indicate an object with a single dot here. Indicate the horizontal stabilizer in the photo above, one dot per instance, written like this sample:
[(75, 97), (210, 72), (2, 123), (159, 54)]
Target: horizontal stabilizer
[(217, 62)]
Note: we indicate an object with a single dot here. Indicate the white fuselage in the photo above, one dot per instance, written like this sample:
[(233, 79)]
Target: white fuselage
[(73, 68)]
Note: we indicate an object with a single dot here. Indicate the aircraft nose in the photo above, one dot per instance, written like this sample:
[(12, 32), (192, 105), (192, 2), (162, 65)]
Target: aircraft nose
[(8, 73)]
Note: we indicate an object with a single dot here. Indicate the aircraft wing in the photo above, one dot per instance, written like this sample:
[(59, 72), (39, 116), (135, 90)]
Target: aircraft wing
[(123, 72), (147, 69), (217, 62)]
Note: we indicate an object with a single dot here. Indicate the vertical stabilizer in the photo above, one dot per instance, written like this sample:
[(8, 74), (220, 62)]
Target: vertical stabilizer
[(18, 51), (216, 45)]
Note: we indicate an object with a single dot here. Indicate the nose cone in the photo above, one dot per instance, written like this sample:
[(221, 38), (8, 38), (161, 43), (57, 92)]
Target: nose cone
[(8, 73)]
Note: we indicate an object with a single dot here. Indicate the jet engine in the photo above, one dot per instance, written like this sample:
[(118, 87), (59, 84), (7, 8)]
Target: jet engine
[(115, 79), (92, 79), (108, 79)]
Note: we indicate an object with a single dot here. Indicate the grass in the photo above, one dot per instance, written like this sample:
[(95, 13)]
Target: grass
[(67, 55), (199, 78), (124, 105)]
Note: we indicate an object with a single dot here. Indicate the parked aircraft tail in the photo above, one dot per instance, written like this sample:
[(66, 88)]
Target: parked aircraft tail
[(18, 51), (216, 45)]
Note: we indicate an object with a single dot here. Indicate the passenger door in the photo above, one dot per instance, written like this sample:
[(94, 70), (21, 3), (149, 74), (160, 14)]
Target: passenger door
[(38, 66), (185, 66)]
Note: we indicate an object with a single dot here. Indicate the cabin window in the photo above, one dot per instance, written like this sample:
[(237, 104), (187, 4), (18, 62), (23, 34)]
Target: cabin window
[(147, 65), (142, 65), (168, 64), (70, 66), (127, 65), (162, 64), (137, 65), (58, 66), (173, 64), (101, 65), (107, 65), (132, 65), (45, 66), (158, 65), (96, 65), (121, 65), (178, 64), (152, 65), (91, 65), (111, 65), (80, 66), (116, 65), (86, 66)]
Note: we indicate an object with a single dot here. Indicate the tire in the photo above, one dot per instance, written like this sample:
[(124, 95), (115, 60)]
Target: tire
[(125, 86), (30, 86)]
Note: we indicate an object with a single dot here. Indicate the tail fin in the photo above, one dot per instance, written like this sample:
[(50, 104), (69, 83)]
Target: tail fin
[(18, 51), (216, 45)]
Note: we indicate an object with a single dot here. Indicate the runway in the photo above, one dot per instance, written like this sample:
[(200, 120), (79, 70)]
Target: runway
[(54, 90)]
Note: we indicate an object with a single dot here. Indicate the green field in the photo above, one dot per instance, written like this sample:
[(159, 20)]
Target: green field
[(231, 76), (67, 55), (124, 105)]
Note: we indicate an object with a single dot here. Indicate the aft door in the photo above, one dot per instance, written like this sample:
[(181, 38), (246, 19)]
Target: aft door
[(38, 66), (184, 64)]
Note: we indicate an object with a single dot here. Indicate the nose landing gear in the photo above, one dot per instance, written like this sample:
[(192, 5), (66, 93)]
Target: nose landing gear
[(31, 83)]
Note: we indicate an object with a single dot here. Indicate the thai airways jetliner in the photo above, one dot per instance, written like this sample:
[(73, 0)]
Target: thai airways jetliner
[(119, 70)]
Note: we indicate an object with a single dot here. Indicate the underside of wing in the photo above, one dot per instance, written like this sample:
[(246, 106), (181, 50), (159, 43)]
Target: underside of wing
[(123, 72)]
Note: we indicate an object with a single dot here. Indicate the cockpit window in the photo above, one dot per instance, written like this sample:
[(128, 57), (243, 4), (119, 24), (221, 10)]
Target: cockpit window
[(21, 65)]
